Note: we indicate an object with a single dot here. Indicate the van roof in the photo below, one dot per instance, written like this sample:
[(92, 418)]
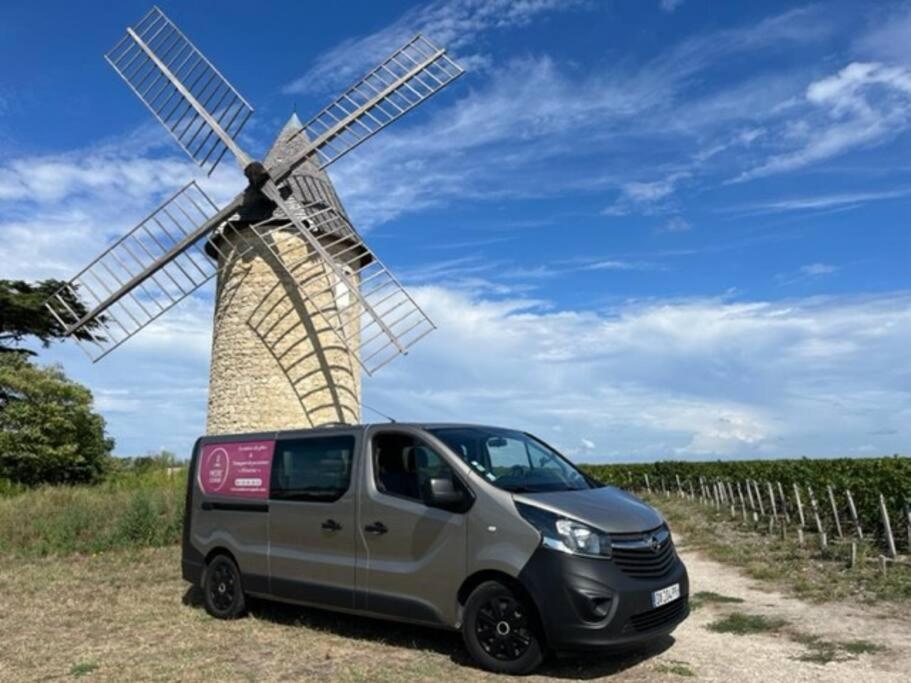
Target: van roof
[(339, 426)]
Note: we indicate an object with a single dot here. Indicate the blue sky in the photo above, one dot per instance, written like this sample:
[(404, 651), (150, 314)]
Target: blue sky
[(644, 229)]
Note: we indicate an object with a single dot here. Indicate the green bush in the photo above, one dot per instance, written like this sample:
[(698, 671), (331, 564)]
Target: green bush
[(49, 432)]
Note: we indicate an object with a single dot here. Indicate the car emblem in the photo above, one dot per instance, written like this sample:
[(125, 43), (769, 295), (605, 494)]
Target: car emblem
[(654, 544)]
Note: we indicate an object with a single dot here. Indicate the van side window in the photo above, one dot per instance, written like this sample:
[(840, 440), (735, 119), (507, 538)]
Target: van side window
[(316, 469), (402, 465)]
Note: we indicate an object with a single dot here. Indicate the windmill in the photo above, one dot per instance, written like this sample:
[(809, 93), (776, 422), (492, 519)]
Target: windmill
[(302, 304)]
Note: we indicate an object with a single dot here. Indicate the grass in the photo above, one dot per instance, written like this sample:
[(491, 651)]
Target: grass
[(806, 571), (741, 624), (861, 647), (817, 649), (821, 651), (710, 597), (83, 668), (676, 668), (128, 511)]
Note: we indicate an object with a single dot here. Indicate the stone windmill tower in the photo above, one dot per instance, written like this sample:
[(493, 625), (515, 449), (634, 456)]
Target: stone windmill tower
[(302, 304), (274, 365)]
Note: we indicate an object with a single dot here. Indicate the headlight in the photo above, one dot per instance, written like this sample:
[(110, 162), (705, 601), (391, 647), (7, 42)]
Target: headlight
[(566, 535)]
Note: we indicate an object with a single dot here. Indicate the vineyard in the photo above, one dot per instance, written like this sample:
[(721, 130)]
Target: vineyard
[(840, 499)]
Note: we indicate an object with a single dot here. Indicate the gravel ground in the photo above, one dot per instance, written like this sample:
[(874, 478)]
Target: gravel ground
[(123, 616)]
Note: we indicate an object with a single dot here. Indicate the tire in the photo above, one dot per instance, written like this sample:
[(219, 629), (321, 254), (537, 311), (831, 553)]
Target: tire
[(501, 631), (223, 593)]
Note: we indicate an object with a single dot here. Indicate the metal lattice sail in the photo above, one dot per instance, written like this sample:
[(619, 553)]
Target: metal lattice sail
[(167, 256)]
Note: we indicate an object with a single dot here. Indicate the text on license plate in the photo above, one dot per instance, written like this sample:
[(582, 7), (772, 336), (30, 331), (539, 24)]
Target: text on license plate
[(666, 595)]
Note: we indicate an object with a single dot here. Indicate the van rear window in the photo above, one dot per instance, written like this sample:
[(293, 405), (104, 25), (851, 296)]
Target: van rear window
[(312, 469)]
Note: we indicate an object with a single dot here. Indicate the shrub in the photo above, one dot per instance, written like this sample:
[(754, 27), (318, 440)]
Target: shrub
[(48, 430)]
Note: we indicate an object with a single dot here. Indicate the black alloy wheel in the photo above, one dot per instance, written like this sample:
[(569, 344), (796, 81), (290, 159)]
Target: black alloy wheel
[(224, 595), (500, 630)]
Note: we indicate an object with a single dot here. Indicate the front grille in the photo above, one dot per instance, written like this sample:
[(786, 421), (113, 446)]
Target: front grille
[(655, 618), (636, 556)]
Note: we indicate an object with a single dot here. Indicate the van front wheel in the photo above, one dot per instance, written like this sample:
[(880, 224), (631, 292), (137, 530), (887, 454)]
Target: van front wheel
[(500, 631), (223, 592)]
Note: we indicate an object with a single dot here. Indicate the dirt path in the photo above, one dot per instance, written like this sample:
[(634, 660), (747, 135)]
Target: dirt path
[(121, 617)]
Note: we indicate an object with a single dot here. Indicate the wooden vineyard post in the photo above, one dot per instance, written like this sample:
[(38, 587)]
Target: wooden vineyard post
[(648, 487), (803, 522), (732, 501), (908, 523), (784, 503), (834, 512), (758, 498), (853, 510), (890, 539), (823, 541), (692, 491), (752, 504), (743, 506), (772, 500), (679, 486), (853, 554), (702, 491)]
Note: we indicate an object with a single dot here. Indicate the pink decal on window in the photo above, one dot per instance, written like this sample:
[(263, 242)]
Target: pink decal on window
[(240, 469)]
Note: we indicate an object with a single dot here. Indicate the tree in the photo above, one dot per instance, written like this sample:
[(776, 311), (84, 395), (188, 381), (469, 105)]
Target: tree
[(49, 432), (22, 314)]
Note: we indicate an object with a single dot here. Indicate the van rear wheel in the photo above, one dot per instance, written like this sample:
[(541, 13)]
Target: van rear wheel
[(500, 630), (222, 588)]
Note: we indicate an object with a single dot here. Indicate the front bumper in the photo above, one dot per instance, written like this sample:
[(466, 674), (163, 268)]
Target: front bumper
[(587, 603)]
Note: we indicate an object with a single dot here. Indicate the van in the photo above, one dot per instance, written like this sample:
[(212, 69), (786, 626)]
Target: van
[(480, 529)]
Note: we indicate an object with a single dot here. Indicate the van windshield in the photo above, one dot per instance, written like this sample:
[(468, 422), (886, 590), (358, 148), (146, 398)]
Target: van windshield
[(513, 461)]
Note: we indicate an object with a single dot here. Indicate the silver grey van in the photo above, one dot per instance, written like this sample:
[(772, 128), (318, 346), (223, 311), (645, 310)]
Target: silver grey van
[(481, 529)]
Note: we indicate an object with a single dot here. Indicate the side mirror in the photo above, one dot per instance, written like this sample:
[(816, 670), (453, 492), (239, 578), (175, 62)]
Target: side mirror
[(443, 493)]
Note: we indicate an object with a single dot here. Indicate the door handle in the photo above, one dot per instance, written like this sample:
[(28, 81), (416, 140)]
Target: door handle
[(377, 528), (331, 525)]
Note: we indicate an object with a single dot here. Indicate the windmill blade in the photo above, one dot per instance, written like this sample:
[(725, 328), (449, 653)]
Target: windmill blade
[(188, 96), (364, 304), (412, 74), (148, 271)]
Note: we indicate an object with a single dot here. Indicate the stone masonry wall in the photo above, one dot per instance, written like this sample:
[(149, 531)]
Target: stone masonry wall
[(276, 363)]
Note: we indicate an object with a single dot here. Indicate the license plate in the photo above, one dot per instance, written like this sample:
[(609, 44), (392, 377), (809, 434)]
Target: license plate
[(665, 595)]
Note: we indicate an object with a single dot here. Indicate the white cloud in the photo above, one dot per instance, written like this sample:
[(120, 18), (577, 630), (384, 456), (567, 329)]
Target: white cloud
[(860, 105), (694, 378), (454, 24), (670, 5), (58, 211), (817, 269), (821, 202), (690, 378), (678, 224), (526, 116)]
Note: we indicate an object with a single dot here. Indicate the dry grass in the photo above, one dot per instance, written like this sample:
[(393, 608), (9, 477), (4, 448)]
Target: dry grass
[(127, 615)]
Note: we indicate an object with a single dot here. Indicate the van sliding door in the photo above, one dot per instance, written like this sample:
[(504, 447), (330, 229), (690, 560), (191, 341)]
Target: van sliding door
[(312, 520)]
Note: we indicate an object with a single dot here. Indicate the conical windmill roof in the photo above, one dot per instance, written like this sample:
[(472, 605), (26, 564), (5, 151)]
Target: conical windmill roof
[(291, 141)]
